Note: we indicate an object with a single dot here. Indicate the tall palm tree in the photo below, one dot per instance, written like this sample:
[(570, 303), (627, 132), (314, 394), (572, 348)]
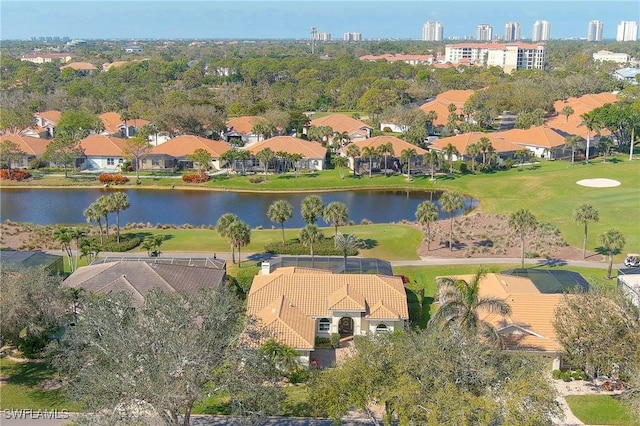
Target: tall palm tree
[(336, 214), (484, 143), (369, 153), (605, 144), (104, 206), (450, 151), (92, 214), (462, 305), (386, 150), (280, 211), (573, 142), (434, 158), (353, 151), (472, 151), (64, 236), (242, 156), (405, 156), (223, 226), (265, 156), (426, 213), (240, 236), (592, 122), (309, 235), (450, 202), (119, 202), (584, 215), (613, 241), (522, 222), (346, 243), (311, 208)]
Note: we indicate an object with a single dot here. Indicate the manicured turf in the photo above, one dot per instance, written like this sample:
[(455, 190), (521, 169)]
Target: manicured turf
[(600, 410)]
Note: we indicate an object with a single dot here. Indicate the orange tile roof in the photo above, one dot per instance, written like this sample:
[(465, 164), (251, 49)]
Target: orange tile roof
[(542, 136), (581, 105), (342, 123), (441, 104), (52, 116), (346, 299), (398, 144), (291, 145), (80, 66), (500, 46), (29, 145), (287, 324), (245, 123), (111, 121), (101, 145), (184, 145), (462, 141)]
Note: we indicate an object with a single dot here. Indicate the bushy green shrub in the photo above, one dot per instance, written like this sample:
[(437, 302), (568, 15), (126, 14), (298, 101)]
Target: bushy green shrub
[(335, 340), (245, 276), (556, 374), (295, 247), (566, 376), (127, 242), (322, 341), (299, 375), (257, 179)]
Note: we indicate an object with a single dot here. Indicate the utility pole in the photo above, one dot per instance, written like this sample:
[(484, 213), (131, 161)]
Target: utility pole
[(314, 33)]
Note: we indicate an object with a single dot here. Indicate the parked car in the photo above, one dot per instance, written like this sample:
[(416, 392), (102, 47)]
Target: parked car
[(632, 260)]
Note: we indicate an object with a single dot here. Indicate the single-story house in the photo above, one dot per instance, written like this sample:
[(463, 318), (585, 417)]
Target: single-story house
[(81, 68), (32, 147), (296, 305), (169, 154), (440, 104), (32, 259), (393, 160), (313, 154), (46, 122), (341, 123), (628, 74), (115, 125), (138, 276), (542, 141), (501, 145), (241, 129), (570, 125), (101, 153)]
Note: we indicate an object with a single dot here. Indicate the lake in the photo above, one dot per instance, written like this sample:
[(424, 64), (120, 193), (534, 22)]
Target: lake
[(65, 206)]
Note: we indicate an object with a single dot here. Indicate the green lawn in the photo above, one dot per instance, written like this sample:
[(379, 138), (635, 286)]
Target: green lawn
[(600, 410)]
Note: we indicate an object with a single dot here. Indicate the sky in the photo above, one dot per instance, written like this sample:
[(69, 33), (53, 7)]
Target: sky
[(273, 19)]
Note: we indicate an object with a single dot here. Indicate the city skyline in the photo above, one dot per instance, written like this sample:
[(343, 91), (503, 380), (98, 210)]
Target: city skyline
[(292, 20)]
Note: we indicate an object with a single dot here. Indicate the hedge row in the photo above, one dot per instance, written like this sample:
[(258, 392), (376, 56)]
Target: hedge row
[(9, 174), (195, 178), (115, 178), (127, 242), (295, 247)]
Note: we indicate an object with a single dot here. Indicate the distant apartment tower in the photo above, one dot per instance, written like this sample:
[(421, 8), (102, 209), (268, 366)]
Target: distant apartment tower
[(432, 31), (511, 31), (484, 32), (595, 31), (541, 31), (627, 31), (352, 37), (323, 37), (508, 56)]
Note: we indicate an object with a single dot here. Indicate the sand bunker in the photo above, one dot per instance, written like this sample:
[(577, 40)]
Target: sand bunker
[(598, 183)]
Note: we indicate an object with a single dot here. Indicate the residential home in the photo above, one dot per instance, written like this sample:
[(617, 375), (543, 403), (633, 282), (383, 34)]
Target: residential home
[(313, 154), (341, 123), (42, 58), (440, 104), (101, 153), (542, 141), (627, 74), (400, 57), (241, 129), (501, 145), (46, 122), (81, 68), (297, 305), (115, 125), (53, 263), (393, 160), (571, 125), (174, 152), (138, 276), (32, 147)]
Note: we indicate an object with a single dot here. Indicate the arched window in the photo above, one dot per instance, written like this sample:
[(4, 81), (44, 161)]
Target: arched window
[(324, 325), (381, 328)]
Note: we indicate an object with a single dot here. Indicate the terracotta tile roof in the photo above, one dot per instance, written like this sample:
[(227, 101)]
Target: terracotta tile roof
[(441, 104), (244, 124), (542, 136), (398, 144), (380, 312), (80, 66), (302, 270), (499, 46), (52, 116), (581, 105), (346, 299), (287, 324), (112, 121), (101, 145), (343, 123), (138, 278), (462, 141), (29, 145), (291, 145), (184, 145)]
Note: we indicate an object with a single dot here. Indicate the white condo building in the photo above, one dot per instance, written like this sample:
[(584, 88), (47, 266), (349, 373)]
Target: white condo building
[(508, 56), (352, 37), (595, 31), (511, 31), (627, 31), (432, 31), (541, 31), (484, 32)]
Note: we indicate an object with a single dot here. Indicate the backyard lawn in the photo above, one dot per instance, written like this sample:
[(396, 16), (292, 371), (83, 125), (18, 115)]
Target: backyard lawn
[(600, 410)]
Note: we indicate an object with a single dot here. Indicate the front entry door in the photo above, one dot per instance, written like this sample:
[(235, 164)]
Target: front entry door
[(345, 326)]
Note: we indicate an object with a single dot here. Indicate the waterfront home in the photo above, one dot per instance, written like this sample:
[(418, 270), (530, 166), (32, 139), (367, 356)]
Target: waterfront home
[(46, 122), (114, 125), (393, 161), (31, 147), (174, 153), (313, 154), (343, 124), (101, 153), (240, 130)]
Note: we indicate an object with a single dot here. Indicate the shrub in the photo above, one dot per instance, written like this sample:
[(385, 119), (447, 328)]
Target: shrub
[(335, 340), (556, 374), (295, 247), (113, 178), (365, 222), (244, 277), (460, 167), (127, 242), (322, 341), (508, 163), (299, 375), (531, 254), (37, 163), (17, 175), (566, 376), (257, 179), (195, 178)]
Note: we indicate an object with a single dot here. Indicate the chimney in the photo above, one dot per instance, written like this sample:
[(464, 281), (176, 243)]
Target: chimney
[(266, 268)]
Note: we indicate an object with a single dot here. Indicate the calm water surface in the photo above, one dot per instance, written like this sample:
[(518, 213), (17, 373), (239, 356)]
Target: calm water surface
[(49, 206)]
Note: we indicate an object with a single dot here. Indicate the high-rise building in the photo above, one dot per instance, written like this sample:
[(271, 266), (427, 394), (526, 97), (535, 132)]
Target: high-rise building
[(627, 31), (323, 37), (432, 31), (484, 32), (595, 31), (511, 31), (352, 37), (508, 56), (541, 31)]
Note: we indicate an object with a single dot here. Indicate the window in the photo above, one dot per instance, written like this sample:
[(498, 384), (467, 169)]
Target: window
[(155, 162), (324, 325), (381, 328), (110, 162), (120, 161)]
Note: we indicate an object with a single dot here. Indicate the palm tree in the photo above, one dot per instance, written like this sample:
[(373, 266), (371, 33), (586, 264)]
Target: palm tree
[(336, 214), (573, 142), (265, 156), (450, 151), (592, 122), (64, 236), (341, 163), (104, 206), (386, 150), (450, 202), (311, 208), (223, 226), (584, 215), (405, 156), (369, 153), (308, 236), (613, 241), (239, 236), (473, 150), (484, 144), (284, 358), (605, 145), (434, 159), (242, 156), (280, 211), (346, 243), (92, 214), (341, 139), (522, 155), (295, 161), (353, 151), (426, 213), (462, 305), (567, 111), (522, 222), (152, 245), (119, 202), (229, 158)]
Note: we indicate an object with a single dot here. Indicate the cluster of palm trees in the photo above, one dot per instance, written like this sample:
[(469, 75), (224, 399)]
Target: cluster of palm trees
[(237, 233), (103, 207), (427, 213), (265, 156)]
